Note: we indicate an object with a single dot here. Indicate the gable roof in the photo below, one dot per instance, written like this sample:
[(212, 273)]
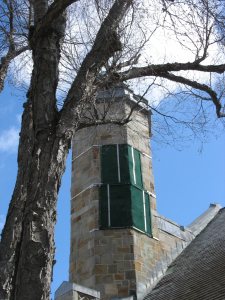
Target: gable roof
[(199, 271)]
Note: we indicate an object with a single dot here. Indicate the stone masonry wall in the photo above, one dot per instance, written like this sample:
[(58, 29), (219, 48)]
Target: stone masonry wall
[(117, 262)]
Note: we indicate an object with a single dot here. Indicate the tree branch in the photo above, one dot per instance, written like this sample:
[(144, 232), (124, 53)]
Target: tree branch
[(103, 122), (202, 87), (156, 70), (53, 12), (5, 62), (83, 87), (163, 70)]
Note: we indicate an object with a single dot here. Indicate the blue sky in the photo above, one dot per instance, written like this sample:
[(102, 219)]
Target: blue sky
[(186, 181)]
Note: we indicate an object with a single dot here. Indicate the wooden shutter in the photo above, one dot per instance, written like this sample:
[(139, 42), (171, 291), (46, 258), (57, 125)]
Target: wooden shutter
[(120, 206), (115, 210), (109, 166), (148, 214), (103, 207), (137, 208), (141, 217), (123, 202), (124, 158), (137, 168), (121, 164)]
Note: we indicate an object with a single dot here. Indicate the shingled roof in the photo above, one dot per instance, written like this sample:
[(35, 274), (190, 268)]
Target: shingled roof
[(199, 271)]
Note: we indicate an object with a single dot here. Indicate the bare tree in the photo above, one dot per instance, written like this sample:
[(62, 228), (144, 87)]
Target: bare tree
[(15, 20), (90, 49)]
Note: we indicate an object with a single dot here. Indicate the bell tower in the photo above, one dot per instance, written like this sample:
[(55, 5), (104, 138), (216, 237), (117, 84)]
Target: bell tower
[(120, 245), (113, 199)]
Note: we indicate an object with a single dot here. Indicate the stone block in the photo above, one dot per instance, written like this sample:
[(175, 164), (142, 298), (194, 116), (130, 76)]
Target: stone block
[(106, 258), (120, 267), (118, 242), (125, 283), (123, 250), (100, 250), (119, 276), (111, 289), (138, 266), (130, 274), (118, 257), (99, 279), (129, 256), (129, 264), (100, 269), (128, 240), (123, 291), (112, 269)]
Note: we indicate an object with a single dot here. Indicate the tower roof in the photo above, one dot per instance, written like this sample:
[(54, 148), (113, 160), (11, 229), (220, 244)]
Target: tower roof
[(122, 91), (199, 271)]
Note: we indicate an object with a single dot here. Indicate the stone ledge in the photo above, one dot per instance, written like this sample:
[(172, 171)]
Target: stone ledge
[(67, 287), (123, 298)]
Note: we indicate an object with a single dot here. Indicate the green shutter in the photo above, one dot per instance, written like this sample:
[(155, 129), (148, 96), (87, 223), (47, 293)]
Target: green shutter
[(121, 164), (120, 206), (137, 169), (109, 166), (130, 165), (103, 207), (148, 214), (124, 158), (137, 208), (115, 204), (123, 202)]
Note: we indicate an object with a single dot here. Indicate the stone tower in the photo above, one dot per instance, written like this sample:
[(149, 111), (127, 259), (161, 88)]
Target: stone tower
[(120, 246), (117, 246), (113, 199)]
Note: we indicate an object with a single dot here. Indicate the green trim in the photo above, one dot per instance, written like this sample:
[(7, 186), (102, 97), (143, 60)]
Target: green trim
[(122, 206)]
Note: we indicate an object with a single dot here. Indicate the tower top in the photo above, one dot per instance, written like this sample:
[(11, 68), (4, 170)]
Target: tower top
[(122, 91)]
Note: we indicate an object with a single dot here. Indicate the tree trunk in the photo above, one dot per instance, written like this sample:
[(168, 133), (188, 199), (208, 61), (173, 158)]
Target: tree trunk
[(37, 246), (11, 234), (27, 244), (30, 225)]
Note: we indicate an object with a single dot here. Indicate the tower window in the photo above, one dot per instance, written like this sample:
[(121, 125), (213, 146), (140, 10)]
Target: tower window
[(121, 164), (123, 201)]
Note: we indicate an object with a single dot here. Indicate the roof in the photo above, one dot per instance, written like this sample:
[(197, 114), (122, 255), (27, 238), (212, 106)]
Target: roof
[(198, 273), (123, 91)]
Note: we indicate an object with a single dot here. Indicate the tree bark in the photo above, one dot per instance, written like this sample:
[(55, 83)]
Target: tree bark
[(5, 61), (37, 247), (11, 234), (27, 245)]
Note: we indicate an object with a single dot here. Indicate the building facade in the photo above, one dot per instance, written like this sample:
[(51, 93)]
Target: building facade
[(120, 245)]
